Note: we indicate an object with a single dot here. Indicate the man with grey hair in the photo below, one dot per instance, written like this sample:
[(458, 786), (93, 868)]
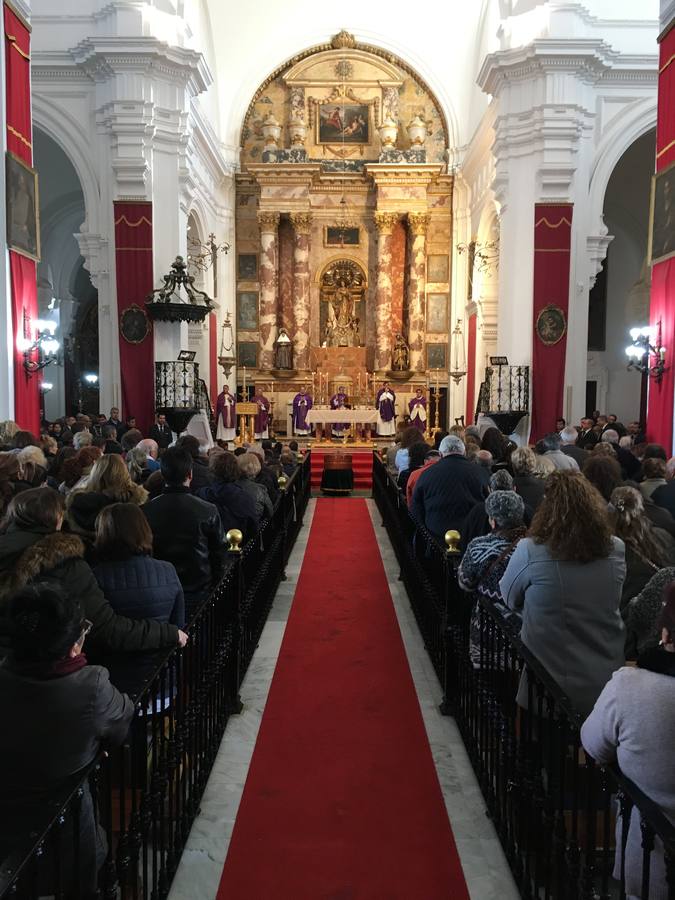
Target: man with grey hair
[(569, 446), (151, 450), (82, 439), (446, 492), (477, 522), (551, 444), (629, 463)]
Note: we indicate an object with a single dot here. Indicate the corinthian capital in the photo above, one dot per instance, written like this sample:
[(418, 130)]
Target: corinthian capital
[(419, 222), (301, 222), (268, 220), (385, 221)]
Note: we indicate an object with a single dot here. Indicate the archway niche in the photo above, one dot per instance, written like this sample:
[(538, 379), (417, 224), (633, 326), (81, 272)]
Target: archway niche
[(66, 294), (619, 299)]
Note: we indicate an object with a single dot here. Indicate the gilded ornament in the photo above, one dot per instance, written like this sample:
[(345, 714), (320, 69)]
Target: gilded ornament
[(268, 220), (419, 222), (385, 221), (301, 222), (343, 40)]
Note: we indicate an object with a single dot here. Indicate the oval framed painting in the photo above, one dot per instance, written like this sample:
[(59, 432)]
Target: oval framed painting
[(134, 324), (551, 325)]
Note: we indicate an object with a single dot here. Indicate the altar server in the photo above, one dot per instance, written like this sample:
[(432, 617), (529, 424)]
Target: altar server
[(302, 403), (418, 410), (226, 415), (385, 403)]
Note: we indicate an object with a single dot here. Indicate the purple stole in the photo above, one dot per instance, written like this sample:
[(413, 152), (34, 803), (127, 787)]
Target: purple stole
[(226, 410), (263, 414), (414, 416), (302, 403), (387, 405), (337, 401)]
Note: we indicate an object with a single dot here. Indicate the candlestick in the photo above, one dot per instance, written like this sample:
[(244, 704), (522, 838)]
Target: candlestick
[(243, 390)]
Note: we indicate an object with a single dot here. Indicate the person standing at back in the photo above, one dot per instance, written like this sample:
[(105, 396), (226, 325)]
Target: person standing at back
[(186, 530), (161, 432), (447, 491)]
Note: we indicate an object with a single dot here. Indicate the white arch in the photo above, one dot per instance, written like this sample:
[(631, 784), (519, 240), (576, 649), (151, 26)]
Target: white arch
[(68, 133), (629, 125)]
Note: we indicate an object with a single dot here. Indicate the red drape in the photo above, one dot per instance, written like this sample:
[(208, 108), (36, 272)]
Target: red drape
[(22, 269), (133, 263), (662, 301), (213, 359), (552, 238), (471, 371)]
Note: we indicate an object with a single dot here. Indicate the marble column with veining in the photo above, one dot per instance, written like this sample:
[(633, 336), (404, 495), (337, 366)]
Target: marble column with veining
[(269, 279), (302, 226), (418, 223), (384, 222)]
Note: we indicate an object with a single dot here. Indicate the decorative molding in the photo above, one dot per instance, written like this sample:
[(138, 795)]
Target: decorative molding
[(386, 221), (301, 222), (419, 222), (596, 247)]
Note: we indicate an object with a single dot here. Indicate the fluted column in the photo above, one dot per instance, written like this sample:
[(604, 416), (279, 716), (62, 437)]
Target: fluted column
[(418, 223), (302, 226), (384, 222), (269, 280)]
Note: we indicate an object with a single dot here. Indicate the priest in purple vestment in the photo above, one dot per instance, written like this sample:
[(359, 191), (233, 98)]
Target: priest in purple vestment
[(385, 403), (226, 415), (302, 403), (339, 401), (261, 420), (418, 410)]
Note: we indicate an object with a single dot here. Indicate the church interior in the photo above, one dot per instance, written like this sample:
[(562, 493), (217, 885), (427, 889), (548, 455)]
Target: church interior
[(262, 263)]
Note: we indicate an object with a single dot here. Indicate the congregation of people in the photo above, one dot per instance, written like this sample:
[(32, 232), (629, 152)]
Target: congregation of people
[(112, 535), (573, 541)]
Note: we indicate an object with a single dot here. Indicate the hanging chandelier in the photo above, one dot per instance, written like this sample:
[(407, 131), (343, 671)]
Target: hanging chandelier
[(226, 358)]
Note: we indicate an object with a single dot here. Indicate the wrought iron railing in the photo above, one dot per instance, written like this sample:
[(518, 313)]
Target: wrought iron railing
[(146, 793), (554, 809)]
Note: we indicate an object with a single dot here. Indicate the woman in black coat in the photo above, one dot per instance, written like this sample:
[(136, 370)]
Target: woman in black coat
[(237, 509), (33, 548), (135, 584)]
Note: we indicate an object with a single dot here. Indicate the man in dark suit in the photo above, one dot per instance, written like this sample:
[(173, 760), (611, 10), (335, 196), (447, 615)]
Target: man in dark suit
[(570, 447), (447, 492), (587, 437), (161, 432), (116, 422)]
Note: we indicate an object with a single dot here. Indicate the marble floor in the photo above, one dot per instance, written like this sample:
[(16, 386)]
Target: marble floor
[(485, 868)]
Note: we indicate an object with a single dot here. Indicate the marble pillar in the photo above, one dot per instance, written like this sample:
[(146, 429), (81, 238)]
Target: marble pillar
[(418, 223), (269, 253), (302, 226), (384, 222)]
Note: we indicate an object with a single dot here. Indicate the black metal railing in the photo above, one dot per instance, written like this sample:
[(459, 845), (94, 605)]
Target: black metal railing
[(555, 810), (120, 829)]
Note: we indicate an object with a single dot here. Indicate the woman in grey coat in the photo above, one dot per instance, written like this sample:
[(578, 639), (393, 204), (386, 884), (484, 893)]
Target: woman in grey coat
[(565, 579), (633, 724)]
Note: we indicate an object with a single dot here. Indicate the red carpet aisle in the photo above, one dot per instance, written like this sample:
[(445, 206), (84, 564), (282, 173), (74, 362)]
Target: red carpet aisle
[(342, 800)]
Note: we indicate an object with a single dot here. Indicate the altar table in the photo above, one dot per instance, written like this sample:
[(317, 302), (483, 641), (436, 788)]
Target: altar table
[(321, 418)]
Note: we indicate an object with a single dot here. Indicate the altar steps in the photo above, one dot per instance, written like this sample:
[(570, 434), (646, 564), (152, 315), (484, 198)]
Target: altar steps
[(362, 464)]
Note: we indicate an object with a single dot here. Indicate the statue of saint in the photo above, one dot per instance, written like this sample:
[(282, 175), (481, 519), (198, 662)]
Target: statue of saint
[(342, 328), (283, 351), (400, 357)]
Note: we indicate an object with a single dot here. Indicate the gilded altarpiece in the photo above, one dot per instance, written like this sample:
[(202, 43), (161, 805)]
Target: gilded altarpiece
[(343, 195)]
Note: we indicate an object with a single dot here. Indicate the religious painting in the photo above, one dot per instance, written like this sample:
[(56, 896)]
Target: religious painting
[(437, 313), (662, 216), (23, 210), (247, 354), (437, 356), (247, 266), (437, 269), (551, 325), (337, 236), (247, 311), (343, 123)]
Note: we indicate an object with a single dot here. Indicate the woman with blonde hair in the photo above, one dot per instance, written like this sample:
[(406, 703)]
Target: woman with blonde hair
[(565, 579), (109, 482), (250, 466), (648, 549), (528, 479)]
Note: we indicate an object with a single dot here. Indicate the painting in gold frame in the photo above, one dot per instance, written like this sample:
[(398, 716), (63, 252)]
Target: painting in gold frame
[(662, 216), (437, 313), (23, 207), (437, 356)]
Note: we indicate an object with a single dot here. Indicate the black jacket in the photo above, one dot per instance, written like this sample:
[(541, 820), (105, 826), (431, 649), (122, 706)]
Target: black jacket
[(664, 497), (446, 492), (28, 555), (142, 588), (236, 507), (576, 452), (187, 532), (201, 475), (531, 489), (268, 479), (587, 439), (163, 436)]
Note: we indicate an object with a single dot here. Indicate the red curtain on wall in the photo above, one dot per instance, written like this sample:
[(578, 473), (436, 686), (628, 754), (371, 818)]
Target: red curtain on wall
[(133, 265), (471, 371), (662, 301), (214, 375), (552, 238), (22, 269)]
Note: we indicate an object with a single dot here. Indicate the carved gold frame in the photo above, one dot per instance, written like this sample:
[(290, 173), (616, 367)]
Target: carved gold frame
[(342, 95)]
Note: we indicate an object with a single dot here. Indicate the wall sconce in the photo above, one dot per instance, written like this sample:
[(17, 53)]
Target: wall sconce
[(46, 387), (644, 346), (43, 344), (458, 370), (91, 379)]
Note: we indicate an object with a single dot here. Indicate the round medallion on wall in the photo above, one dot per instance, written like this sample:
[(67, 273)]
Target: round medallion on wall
[(551, 325), (134, 325)]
